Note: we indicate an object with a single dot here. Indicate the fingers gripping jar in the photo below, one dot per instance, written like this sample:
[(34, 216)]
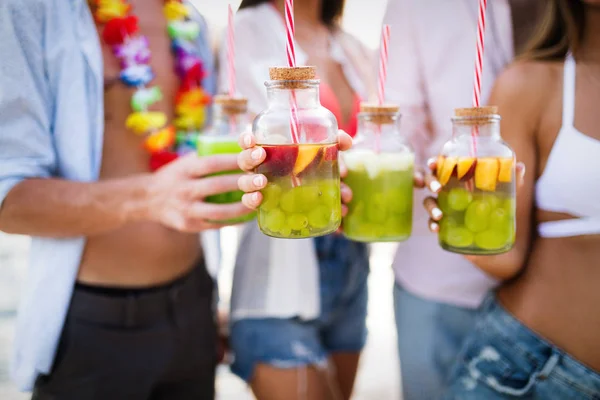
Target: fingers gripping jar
[(380, 174), (302, 198), (477, 171)]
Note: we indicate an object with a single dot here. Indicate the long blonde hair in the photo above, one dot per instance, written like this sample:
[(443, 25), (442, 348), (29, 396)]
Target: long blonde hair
[(560, 31)]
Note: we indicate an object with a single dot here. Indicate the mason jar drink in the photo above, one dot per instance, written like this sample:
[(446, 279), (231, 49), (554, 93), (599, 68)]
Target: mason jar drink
[(477, 171), (302, 197), (380, 173), (230, 119)]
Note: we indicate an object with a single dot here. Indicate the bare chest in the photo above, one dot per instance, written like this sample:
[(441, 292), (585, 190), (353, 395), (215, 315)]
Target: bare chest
[(123, 153)]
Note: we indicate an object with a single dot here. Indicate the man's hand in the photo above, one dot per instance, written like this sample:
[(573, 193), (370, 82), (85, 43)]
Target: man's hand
[(177, 191)]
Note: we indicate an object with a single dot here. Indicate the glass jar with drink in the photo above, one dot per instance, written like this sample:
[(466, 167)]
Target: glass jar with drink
[(477, 172), (230, 119), (380, 174), (302, 197)]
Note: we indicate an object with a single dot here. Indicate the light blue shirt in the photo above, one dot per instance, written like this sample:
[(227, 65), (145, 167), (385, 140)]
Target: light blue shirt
[(51, 125)]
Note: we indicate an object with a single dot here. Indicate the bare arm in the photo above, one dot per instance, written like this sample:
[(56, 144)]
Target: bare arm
[(172, 196), (59, 208)]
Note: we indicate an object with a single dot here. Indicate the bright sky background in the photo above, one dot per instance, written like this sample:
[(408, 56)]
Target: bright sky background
[(362, 18)]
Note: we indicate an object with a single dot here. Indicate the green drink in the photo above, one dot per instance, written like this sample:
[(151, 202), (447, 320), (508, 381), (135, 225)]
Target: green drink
[(380, 174), (477, 220), (222, 138), (302, 198), (478, 198), (382, 196), (300, 137)]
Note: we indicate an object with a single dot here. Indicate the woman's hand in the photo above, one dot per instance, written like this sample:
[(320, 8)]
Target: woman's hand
[(252, 156), (431, 182)]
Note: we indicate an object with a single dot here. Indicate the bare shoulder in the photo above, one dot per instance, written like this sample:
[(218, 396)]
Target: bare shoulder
[(525, 87), (528, 81)]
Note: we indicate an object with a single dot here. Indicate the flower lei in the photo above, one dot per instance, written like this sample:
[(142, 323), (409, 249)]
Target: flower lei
[(121, 32)]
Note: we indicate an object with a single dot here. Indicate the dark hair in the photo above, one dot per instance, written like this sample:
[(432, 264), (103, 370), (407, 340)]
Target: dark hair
[(331, 10), (560, 31)]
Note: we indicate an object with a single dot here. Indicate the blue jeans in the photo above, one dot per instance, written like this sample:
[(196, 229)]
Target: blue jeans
[(503, 359), (341, 327), (430, 336)]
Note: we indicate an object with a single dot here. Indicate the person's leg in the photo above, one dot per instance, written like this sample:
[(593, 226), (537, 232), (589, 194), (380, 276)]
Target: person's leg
[(344, 296), (430, 336), (280, 359), (302, 383), (345, 367)]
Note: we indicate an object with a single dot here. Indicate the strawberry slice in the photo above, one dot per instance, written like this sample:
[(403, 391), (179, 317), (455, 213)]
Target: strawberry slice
[(280, 160), (331, 153)]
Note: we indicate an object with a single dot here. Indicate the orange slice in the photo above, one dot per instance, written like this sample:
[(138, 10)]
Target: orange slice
[(486, 174), (465, 166), (506, 167), (306, 155), (447, 169)]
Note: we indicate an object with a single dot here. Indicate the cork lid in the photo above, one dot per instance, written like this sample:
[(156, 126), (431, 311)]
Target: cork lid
[(380, 113), (379, 108), (231, 105), (476, 112), (292, 73)]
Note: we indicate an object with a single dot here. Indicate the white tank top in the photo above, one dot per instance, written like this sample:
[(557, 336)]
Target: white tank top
[(567, 184)]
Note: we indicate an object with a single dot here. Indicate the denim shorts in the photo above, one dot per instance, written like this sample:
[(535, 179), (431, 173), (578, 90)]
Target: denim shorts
[(430, 336), (341, 326), (503, 359)]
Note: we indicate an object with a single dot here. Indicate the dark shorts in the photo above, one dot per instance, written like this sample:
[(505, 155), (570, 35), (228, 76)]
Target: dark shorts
[(148, 344)]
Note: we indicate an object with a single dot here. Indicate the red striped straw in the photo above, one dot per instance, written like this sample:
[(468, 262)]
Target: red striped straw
[(383, 68), (231, 52), (291, 58), (478, 67), (383, 62), (479, 57)]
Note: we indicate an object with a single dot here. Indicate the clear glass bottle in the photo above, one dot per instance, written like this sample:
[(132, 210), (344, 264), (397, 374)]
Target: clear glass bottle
[(230, 119), (477, 171), (302, 198), (380, 174)]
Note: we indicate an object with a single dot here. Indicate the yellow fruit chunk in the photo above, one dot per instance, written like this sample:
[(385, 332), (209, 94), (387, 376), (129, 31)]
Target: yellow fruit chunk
[(439, 166), (464, 166), (506, 167), (306, 155), (447, 169), (486, 174)]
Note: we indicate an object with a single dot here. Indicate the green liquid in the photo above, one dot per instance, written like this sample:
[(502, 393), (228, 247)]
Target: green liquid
[(382, 198), (477, 222), (303, 206), (211, 145)]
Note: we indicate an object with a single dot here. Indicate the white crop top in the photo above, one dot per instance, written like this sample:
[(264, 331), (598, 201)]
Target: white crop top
[(566, 185)]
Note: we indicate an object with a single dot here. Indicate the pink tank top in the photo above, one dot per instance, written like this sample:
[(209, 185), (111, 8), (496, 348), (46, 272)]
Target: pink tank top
[(330, 102)]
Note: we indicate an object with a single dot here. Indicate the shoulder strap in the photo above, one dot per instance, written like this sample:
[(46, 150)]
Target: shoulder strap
[(569, 91)]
